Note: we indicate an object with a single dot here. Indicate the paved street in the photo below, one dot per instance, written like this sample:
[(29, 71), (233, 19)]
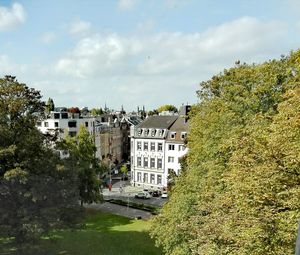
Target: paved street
[(120, 210), (128, 192)]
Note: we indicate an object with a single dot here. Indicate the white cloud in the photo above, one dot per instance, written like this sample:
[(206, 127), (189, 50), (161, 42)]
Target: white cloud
[(11, 18), (48, 38), (99, 55), (247, 39), (79, 27), (8, 67), (147, 67), (126, 5)]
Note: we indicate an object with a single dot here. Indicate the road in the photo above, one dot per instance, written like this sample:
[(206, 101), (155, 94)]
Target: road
[(128, 192), (120, 210)]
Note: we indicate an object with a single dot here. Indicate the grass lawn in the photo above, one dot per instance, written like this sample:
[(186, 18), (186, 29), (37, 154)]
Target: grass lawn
[(103, 234)]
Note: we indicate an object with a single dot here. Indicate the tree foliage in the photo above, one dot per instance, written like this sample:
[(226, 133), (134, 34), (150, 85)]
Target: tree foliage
[(83, 161), (96, 111), (37, 192), (240, 192), (74, 110), (167, 107), (49, 106)]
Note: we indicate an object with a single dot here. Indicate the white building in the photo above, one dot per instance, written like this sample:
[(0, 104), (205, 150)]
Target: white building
[(175, 142), (154, 151), (65, 123)]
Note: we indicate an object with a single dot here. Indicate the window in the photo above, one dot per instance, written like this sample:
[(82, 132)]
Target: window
[(139, 146), (46, 124), (171, 147), (146, 132), (145, 177), (56, 115), (173, 135), (55, 124), (72, 124), (170, 159), (145, 161), (159, 146), (145, 146), (139, 176), (153, 131), (64, 115), (139, 132), (158, 179), (152, 162), (131, 144), (159, 163), (139, 161), (131, 160), (152, 146), (183, 135), (86, 124), (39, 124), (181, 147), (152, 178)]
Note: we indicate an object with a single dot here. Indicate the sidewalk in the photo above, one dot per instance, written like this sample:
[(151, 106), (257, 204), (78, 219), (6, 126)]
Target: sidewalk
[(126, 191)]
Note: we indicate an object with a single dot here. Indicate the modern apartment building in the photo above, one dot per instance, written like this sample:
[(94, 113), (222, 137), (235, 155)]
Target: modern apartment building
[(64, 123)]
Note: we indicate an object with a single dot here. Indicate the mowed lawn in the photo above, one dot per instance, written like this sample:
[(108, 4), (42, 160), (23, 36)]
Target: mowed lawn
[(103, 234)]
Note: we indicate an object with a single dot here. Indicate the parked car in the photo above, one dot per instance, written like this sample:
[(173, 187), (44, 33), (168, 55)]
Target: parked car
[(143, 195), (156, 193), (164, 195)]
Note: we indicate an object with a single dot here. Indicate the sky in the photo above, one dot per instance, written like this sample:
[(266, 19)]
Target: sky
[(138, 52)]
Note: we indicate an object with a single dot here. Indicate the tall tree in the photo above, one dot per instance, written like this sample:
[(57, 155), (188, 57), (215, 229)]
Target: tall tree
[(82, 159), (37, 191), (240, 192)]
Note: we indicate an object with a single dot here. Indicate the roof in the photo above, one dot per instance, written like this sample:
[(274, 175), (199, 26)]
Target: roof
[(163, 122), (180, 125)]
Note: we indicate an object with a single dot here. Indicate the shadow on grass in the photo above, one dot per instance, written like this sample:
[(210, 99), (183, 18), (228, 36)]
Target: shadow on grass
[(102, 233)]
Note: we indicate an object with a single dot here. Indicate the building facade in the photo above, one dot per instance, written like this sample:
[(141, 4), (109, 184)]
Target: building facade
[(156, 150)]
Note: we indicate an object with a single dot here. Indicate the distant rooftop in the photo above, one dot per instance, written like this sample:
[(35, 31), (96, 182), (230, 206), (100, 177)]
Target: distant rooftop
[(163, 122)]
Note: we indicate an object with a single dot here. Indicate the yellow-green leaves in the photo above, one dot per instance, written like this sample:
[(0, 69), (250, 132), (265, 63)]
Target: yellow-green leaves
[(241, 191)]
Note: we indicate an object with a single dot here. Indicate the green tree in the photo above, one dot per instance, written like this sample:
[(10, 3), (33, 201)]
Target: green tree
[(153, 112), (82, 159), (37, 191), (240, 192), (124, 171), (167, 107), (96, 111), (49, 106)]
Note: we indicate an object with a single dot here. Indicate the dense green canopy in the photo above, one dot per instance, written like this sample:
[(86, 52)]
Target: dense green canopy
[(37, 191), (84, 163), (240, 193)]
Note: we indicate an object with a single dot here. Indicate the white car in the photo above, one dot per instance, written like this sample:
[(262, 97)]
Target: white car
[(143, 195), (164, 195)]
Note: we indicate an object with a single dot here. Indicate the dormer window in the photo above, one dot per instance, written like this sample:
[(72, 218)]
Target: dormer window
[(139, 132), (183, 135), (146, 131), (160, 132), (153, 131), (173, 135)]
